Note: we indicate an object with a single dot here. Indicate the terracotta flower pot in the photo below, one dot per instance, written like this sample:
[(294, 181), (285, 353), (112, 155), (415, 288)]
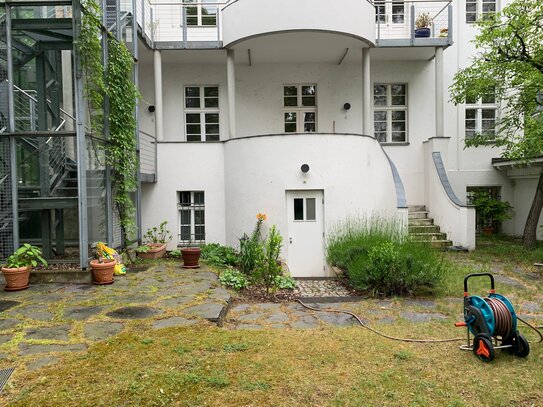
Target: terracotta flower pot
[(156, 251), (102, 273), (191, 256), (16, 278)]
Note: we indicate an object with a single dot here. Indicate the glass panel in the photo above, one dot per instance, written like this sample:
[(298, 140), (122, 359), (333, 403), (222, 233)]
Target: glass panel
[(379, 12), (310, 117), (471, 113), (380, 90), (309, 101), (194, 137), (398, 101), (184, 198), (192, 15), (379, 116), (212, 118), (185, 233), (192, 91), (290, 101), (489, 113), (199, 198), (193, 103), (193, 118), (397, 89), (398, 115), (290, 117), (298, 209), (380, 100), (194, 129), (310, 90), (209, 15), (489, 97), (185, 217), (309, 128), (381, 137), (212, 137), (398, 126), (199, 233), (290, 127), (398, 136), (290, 90), (310, 209), (96, 191), (199, 217), (212, 129), (211, 91), (397, 12)]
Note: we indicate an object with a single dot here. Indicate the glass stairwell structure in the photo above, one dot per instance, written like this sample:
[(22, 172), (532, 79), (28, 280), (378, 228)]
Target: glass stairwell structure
[(55, 188)]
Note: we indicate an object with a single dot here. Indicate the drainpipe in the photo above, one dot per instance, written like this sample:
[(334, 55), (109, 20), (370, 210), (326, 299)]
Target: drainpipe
[(366, 92), (231, 84), (159, 126), (440, 127)]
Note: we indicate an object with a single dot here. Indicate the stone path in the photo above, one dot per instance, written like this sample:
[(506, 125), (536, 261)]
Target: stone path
[(320, 288), (38, 324)]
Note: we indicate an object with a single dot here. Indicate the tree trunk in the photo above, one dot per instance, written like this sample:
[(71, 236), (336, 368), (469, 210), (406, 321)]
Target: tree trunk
[(529, 238)]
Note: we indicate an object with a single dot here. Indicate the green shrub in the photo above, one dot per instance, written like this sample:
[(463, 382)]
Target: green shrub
[(220, 256), (233, 278), (284, 282), (379, 260), (251, 253)]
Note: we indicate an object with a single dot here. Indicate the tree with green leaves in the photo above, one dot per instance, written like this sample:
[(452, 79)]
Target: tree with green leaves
[(509, 63)]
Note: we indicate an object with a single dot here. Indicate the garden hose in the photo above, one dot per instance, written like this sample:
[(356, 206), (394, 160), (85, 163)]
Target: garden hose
[(394, 338), (502, 317)]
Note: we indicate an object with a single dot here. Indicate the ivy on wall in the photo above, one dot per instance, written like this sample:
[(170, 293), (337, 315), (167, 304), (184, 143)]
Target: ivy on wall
[(114, 83)]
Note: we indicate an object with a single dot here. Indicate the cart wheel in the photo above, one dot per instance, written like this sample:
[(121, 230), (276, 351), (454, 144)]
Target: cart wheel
[(522, 348), (483, 349)]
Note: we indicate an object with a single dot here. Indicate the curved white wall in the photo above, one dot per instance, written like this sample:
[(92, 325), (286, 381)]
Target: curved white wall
[(243, 19), (352, 170)]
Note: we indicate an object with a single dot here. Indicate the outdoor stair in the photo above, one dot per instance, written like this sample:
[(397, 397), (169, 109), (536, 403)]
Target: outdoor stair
[(423, 229)]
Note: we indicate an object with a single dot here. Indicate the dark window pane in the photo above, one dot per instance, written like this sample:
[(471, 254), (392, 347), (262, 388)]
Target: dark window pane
[(185, 217), (290, 101), (209, 20), (212, 118), (380, 90), (193, 118), (192, 102), (310, 117), (380, 100), (290, 127), (311, 209), (194, 137), (185, 233), (398, 136), (211, 91), (212, 129), (309, 101), (290, 117), (471, 113), (194, 129), (298, 209), (398, 115), (309, 128), (398, 126), (212, 137), (379, 115), (310, 90), (290, 91), (199, 233), (489, 113), (470, 124), (199, 198), (397, 89), (211, 102), (381, 137), (380, 126), (199, 217), (184, 198), (192, 91), (398, 101)]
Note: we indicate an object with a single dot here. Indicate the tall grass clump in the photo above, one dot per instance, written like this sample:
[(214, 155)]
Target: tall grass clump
[(380, 259)]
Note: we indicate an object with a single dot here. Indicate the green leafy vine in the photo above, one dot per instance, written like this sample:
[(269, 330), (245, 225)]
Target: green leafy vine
[(114, 82)]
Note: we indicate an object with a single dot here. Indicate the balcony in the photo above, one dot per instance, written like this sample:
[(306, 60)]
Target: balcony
[(165, 24)]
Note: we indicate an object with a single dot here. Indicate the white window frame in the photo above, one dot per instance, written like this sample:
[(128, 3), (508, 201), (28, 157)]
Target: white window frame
[(190, 207), (386, 11), (199, 5), (479, 11), (202, 111), (479, 107), (299, 110), (389, 108)]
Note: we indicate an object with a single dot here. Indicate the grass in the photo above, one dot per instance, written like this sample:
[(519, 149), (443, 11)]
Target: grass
[(326, 367), (205, 365)]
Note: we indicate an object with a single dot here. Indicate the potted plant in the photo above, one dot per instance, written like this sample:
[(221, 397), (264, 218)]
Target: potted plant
[(102, 269), (490, 211), (157, 239), (191, 256), (422, 25), (17, 270)]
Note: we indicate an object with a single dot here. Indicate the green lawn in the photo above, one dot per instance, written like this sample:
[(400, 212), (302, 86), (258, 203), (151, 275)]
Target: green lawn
[(206, 365)]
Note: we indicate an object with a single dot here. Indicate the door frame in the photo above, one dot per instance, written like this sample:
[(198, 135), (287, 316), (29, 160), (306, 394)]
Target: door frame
[(326, 270)]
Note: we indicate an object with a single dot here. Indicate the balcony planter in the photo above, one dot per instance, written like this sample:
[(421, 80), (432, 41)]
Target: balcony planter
[(16, 277), (422, 32), (155, 251), (102, 273), (191, 257)]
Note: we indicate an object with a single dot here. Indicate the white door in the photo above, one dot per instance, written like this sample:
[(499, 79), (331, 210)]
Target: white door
[(392, 19), (305, 240)]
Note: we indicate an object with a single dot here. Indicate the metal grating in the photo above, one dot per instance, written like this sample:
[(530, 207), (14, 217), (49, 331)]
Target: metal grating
[(5, 374), (6, 208)]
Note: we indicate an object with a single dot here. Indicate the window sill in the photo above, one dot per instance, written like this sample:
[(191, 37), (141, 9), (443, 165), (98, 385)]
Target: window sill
[(398, 143)]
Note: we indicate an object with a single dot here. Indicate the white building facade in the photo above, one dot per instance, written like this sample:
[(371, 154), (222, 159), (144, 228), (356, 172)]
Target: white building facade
[(311, 112)]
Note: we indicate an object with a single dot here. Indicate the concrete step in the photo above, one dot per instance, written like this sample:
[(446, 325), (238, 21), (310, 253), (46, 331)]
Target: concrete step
[(421, 222), (438, 244), (417, 215), (416, 208), (424, 228), (425, 237)]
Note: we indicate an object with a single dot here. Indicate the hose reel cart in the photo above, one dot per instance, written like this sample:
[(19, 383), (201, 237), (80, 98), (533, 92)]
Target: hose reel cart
[(488, 318)]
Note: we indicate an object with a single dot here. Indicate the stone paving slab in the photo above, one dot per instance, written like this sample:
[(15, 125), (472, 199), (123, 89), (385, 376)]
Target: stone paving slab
[(42, 362), (133, 312), (212, 311), (80, 313), (9, 323), (57, 333), (36, 312), (98, 331)]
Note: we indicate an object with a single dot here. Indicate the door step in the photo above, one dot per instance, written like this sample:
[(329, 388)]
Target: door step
[(422, 228)]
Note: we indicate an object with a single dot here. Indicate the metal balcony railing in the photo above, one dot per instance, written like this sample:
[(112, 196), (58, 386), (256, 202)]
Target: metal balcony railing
[(396, 23)]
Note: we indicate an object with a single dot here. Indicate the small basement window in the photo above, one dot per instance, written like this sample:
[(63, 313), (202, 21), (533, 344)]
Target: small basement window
[(191, 206)]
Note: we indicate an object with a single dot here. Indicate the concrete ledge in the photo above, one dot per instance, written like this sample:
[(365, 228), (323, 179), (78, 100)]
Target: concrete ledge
[(62, 277)]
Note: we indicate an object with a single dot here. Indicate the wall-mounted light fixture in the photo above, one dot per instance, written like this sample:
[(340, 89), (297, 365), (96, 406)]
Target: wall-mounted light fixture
[(151, 108), (347, 106), (305, 168)]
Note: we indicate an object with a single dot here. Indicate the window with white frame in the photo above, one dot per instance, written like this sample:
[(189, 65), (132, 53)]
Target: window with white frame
[(390, 112), (300, 108), (202, 13), (477, 9), (191, 206), (202, 113), (380, 11), (398, 12), (481, 115)]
